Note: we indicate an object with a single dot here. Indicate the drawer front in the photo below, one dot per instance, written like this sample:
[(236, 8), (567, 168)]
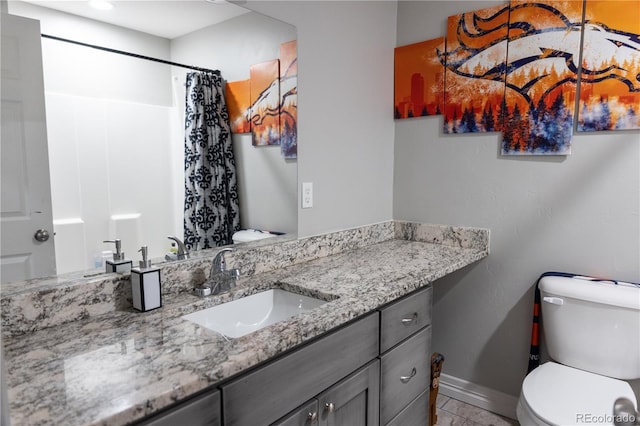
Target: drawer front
[(417, 413), (266, 394), (405, 372), (200, 411), (403, 318)]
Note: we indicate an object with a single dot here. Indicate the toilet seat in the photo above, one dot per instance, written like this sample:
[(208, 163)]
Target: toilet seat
[(554, 394)]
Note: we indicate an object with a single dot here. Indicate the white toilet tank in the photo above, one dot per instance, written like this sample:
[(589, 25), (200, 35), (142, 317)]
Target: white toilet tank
[(592, 325)]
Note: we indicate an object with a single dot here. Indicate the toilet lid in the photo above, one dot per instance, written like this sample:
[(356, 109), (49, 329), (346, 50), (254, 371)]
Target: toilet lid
[(563, 395)]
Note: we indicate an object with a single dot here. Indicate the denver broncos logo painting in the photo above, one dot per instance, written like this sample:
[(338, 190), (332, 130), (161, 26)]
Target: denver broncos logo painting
[(516, 69), (273, 115)]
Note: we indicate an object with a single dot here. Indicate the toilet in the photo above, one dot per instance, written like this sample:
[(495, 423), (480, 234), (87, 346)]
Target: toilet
[(592, 335)]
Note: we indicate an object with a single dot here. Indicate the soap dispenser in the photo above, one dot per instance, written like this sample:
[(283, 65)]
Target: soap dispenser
[(119, 263), (145, 285)]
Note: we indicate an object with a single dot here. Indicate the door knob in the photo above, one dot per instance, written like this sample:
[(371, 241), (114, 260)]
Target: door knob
[(41, 235)]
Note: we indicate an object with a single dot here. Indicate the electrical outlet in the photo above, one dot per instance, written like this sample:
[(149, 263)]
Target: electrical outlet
[(307, 195)]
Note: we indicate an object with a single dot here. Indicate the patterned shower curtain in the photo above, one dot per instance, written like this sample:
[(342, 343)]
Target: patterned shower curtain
[(211, 207)]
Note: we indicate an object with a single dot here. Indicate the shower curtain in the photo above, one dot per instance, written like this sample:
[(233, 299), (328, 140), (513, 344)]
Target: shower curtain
[(211, 206)]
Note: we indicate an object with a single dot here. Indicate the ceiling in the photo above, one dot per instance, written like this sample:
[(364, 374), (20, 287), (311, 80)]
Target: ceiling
[(162, 18)]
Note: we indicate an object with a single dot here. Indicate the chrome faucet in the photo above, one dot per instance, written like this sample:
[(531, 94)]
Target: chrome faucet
[(220, 278), (182, 254)]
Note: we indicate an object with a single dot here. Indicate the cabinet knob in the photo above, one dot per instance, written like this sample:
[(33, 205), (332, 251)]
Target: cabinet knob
[(312, 417), (407, 321), (405, 379), (329, 407)]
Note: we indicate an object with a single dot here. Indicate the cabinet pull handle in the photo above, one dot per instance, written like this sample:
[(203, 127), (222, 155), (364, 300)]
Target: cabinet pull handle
[(405, 379), (329, 407), (312, 417), (407, 321)]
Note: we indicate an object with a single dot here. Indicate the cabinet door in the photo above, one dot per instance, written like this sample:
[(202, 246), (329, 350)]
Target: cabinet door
[(305, 415), (353, 401), (200, 411)]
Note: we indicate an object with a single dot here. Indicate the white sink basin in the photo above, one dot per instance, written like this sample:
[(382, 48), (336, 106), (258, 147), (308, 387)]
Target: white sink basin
[(251, 313)]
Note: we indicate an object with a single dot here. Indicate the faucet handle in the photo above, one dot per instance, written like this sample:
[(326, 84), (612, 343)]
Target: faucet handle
[(219, 264)]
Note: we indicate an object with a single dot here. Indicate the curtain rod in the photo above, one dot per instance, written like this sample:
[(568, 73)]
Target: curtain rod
[(135, 55)]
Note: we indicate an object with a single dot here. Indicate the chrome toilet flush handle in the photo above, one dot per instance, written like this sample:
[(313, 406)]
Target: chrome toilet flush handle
[(624, 413)]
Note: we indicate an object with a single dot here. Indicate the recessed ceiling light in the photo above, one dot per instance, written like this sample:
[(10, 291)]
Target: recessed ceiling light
[(101, 4), (217, 1)]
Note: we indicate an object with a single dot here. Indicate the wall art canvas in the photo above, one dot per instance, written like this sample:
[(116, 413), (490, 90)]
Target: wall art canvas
[(265, 103), (238, 105), (475, 59), (419, 78), (610, 72), (289, 99), (541, 76)]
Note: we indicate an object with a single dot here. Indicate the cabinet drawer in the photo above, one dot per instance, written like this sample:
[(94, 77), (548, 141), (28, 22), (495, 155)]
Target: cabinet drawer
[(200, 411), (266, 394), (417, 413), (404, 317), (405, 372)]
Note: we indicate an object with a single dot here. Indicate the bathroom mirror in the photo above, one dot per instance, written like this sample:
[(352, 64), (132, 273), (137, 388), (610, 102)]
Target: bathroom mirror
[(115, 127)]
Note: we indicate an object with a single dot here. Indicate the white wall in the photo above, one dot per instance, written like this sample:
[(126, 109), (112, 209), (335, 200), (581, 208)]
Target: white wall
[(345, 106), (578, 213), (267, 183)]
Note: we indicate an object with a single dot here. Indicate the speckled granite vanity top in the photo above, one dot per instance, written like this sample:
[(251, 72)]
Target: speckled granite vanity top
[(112, 365)]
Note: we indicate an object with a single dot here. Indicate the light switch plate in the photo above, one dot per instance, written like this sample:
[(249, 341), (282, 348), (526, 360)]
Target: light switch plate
[(307, 195)]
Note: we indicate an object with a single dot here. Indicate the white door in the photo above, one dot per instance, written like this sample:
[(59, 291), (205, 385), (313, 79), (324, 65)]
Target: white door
[(26, 192)]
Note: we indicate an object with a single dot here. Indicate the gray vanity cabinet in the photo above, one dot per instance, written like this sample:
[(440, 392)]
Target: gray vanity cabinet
[(405, 359), (353, 401)]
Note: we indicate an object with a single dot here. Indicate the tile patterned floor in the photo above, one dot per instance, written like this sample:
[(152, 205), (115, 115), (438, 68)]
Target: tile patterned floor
[(452, 412)]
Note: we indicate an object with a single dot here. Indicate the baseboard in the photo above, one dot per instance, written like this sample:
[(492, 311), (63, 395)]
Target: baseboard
[(479, 396)]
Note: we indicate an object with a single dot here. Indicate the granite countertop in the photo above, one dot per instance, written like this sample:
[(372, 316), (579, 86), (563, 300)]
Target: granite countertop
[(121, 366)]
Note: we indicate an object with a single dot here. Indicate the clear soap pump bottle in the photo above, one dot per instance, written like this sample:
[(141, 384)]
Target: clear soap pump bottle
[(145, 284)]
